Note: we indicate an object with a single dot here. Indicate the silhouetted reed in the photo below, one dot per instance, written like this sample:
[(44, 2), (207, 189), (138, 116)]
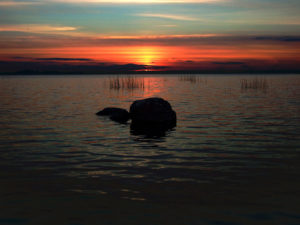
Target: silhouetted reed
[(255, 84), (129, 82), (192, 78)]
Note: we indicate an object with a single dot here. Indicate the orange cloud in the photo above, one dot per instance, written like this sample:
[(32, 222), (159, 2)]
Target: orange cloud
[(35, 28)]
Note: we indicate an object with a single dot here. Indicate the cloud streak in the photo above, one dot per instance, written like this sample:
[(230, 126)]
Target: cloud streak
[(18, 3), (50, 67), (168, 16), (167, 25), (26, 3), (137, 1), (35, 28), (64, 59), (29, 40)]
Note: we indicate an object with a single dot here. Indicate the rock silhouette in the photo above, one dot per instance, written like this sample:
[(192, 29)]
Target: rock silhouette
[(115, 114), (152, 114)]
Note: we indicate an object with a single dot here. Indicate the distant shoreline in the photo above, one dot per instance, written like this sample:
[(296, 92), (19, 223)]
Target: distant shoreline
[(151, 73)]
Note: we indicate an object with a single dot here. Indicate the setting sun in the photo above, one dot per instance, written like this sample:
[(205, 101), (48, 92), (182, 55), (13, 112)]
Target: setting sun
[(147, 55)]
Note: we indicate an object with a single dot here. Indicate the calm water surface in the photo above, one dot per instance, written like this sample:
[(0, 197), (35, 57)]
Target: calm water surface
[(232, 159)]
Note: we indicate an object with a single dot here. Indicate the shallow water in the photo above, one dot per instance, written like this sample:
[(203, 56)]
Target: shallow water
[(234, 153)]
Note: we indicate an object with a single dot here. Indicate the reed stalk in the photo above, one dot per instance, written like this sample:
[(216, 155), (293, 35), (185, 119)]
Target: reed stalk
[(129, 83)]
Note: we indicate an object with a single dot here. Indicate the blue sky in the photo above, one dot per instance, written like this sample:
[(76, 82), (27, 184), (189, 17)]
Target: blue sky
[(235, 16)]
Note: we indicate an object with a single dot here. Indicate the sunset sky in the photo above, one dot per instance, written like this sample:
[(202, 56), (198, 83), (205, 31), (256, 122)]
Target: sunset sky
[(150, 35)]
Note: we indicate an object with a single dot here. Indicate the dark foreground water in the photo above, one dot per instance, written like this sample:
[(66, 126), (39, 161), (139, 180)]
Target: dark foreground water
[(234, 157)]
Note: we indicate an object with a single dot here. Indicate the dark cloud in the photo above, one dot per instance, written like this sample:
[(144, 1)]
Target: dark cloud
[(43, 41), (19, 57), (229, 63), (36, 67), (157, 67), (64, 59), (279, 38), (53, 59), (22, 66)]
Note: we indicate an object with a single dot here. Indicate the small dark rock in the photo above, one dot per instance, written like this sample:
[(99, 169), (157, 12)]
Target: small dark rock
[(115, 114), (152, 114)]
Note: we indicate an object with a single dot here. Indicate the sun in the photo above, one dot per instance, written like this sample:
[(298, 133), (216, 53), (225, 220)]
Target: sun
[(147, 55)]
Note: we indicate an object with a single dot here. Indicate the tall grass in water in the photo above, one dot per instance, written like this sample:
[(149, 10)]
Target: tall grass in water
[(129, 83), (192, 78), (255, 84)]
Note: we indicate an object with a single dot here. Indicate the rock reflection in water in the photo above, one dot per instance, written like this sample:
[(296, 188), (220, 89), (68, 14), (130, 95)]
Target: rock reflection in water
[(150, 132)]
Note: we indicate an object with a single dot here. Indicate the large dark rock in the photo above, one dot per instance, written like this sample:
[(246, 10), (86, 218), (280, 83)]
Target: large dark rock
[(152, 114), (115, 114)]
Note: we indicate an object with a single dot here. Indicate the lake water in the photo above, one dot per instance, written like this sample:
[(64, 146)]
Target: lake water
[(233, 157)]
